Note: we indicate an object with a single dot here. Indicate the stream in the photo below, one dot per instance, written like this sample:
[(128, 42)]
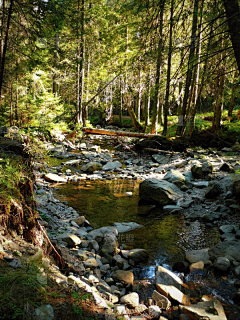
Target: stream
[(165, 236)]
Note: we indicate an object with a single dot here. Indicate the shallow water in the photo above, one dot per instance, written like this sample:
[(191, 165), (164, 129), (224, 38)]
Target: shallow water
[(165, 236)]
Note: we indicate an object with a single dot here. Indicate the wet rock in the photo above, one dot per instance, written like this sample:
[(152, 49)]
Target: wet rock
[(161, 300), (222, 264), (138, 255), (160, 191), (213, 191), (174, 175), (154, 311), (131, 300), (211, 310), (160, 159), (51, 177), (71, 239), (198, 255), (124, 277), (172, 292), (167, 277), (44, 312), (91, 263), (110, 166), (200, 184), (110, 244), (172, 208)]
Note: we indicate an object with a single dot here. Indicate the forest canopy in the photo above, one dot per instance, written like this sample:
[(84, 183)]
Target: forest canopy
[(68, 62)]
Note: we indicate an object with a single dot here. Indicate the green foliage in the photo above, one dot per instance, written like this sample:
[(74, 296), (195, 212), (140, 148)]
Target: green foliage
[(78, 298)]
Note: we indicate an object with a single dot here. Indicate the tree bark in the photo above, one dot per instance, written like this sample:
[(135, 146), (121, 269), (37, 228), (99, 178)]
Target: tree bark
[(5, 48), (183, 119), (166, 105), (231, 104), (233, 19), (158, 71), (118, 133)]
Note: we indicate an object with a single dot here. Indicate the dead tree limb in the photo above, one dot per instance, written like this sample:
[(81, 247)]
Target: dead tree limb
[(119, 133), (127, 147)]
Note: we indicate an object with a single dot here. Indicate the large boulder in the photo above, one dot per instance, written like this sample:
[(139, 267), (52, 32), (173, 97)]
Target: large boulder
[(159, 191), (200, 171), (125, 277), (198, 255)]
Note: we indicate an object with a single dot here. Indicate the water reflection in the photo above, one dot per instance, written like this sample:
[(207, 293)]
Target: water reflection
[(166, 237)]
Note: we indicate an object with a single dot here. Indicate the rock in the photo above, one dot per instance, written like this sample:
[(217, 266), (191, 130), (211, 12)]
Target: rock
[(126, 226), (121, 311), (99, 233), (236, 147), (160, 191), (226, 248), (124, 277), (71, 239), (196, 266), (131, 300), (110, 166), (44, 312), (160, 159), (93, 245), (173, 175), (213, 191), (90, 263), (198, 255), (167, 277), (211, 310), (236, 188), (79, 221), (172, 208), (154, 311), (227, 228), (110, 244), (200, 184), (226, 167), (172, 292), (91, 166), (51, 177), (222, 264), (138, 255), (181, 266), (161, 300), (141, 308), (201, 171)]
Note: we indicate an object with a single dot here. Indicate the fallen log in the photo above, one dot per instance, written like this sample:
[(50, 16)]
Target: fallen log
[(158, 151), (120, 133)]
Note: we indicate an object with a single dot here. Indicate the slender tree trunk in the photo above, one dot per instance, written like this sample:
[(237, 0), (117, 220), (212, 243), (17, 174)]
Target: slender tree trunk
[(132, 115), (231, 104), (183, 119), (166, 105), (148, 103), (218, 103), (233, 19), (199, 94), (5, 47), (56, 58), (158, 71), (2, 31), (121, 103), (81, 111)]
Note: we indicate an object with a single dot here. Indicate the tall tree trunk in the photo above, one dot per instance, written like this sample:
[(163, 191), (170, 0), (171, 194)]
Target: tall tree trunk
[(148, 103), (233, 19), (121, 103), (183, 117), (132, 115), (2, 31), (81, 111), (56, 58), (158, 71), (231, 104), (5, 47), (218, 101), (166, 105)]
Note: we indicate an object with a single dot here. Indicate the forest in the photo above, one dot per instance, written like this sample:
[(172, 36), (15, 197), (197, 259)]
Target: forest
[(70, 63)]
